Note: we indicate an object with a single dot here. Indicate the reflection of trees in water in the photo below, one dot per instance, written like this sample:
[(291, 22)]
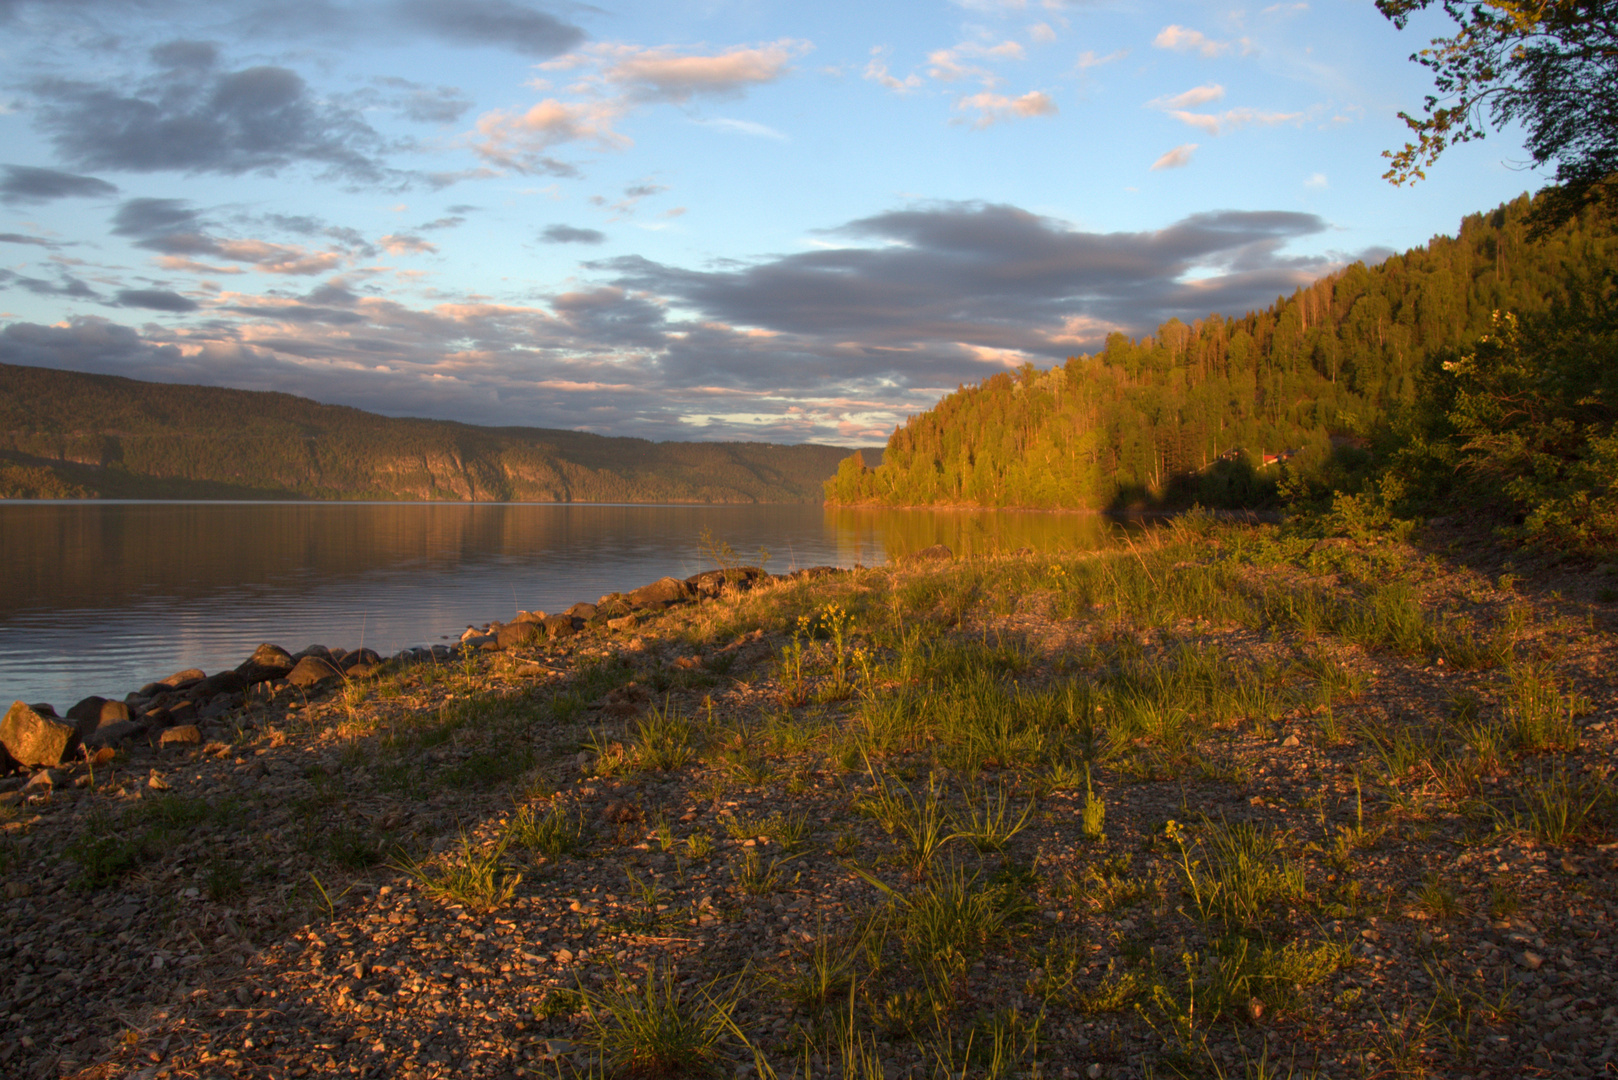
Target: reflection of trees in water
[(107, 554), (967, 532)]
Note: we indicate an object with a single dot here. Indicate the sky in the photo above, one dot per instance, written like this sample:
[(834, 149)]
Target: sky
[(685, 219)]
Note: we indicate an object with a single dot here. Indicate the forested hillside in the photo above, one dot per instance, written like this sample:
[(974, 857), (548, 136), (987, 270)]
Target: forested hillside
[(1192, 412), (65, 434)]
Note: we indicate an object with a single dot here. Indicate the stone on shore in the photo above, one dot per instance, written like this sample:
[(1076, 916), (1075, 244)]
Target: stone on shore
[(559, 626), (514, 635), (183, 735), (935, 552), (114, 733), (312, 671), (659, 594), (582, 610), (34, 738), (184, 680), (267, 662)]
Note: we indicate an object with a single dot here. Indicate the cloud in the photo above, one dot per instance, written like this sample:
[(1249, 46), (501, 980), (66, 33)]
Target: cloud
[(1233, 119), (1316, 180), (492, 22), (405, 244), (610, 81), (876, 70), (1180, 39), (68, 286), (176, 231), (256, 120), (195, 55), (744, 127), (1197, 95), (1177, 158), (156, 299), (442, 223), (994, 108), (568, 234), (29, 184), (17, 238), (1042, 33), (804, 345), (423, 104), (1088, 59)]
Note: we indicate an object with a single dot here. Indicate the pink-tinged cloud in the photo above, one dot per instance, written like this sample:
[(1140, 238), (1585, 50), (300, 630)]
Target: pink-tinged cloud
[(1177, 158), (877, 72), (404, 244), (1088, 58), (994, 108), (1233, 119), (1180, 39), (516, 140), (661, 74), (1197, 95)]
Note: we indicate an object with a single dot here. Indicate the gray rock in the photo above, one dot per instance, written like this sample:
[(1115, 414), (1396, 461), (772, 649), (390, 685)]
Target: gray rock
[(87, 713), (319, 651), (184, 680), (114, 734), (267, 662), (35, 738), (530, 617), (225, 682), (312, 671), (560, 626), (514, 635), (660, 593), (360, 658)]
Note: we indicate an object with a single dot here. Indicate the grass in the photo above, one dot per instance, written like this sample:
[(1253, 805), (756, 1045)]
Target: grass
[(475, 876), (553, 834), (659, 1026), (1242, 878)]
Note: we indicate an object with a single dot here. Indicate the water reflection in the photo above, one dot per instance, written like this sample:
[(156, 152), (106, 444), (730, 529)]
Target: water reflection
[(99, 597)]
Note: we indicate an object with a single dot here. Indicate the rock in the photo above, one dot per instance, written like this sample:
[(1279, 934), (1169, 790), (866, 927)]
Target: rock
[(225, 682), (660, 593), (156, 782), (150, 690), (611, 606), (582, 610), (530, 617), (623, 622), (318, 651), (183, 712), (43, 780), (114, 712), (360, 658), (312, 671), (184, 735), (514, 635), (1530, 959), (529, 671), (933, 553), (184, 680), (87, 713), (36, 738), (559, 626), (267, 662), (1290, 740), (110, 735), (717, 582)]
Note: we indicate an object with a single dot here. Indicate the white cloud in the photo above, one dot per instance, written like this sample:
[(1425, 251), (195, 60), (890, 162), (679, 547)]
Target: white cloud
[(1316, 180), (993, 108), (612, 81), (404, 244), (1180, 39), (877, 72), (1197, 95), (743, 127), (1088, 59), (1042, 33), (1177, 158)]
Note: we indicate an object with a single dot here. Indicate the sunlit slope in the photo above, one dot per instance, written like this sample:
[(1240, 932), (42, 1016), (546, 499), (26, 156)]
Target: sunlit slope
[(1193, 412), (67, 433)]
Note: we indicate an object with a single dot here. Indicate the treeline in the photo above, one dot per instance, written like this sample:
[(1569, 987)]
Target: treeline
[(66, 434), (1218, 411)]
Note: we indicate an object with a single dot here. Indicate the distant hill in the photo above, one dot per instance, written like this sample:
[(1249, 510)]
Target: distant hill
[(1210, 411), (66, 434)]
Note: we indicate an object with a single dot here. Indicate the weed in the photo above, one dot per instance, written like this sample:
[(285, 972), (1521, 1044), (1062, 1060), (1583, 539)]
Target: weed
[(473, 877), (917, 821), (990, 822), (828, 971), (1095, 812), (1437, 899), (1558, 807), (757, 877), (661, 1027), (699, 846), (1118, 988), (1538, 716), (1242, 875), (664, 739), (553, 834)]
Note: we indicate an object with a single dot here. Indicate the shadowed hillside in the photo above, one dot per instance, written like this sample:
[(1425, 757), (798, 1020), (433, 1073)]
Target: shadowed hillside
[(67, 434)]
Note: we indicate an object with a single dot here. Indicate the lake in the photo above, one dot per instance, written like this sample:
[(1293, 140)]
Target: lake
[(100, 597)]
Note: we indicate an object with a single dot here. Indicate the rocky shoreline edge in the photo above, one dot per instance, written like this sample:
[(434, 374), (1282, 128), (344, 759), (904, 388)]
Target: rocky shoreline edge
[(39, 746)]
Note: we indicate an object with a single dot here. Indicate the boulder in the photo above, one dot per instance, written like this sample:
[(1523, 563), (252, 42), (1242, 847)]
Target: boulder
[(267, 662), (114, 712), (611, 606), (114, 734), (530, 617), (560, 626), (359, 658), (582, 610), (318, 651), (35, 738), (183, 735), (623, 622), (934, 553), (514, 635), (312, 671), (717, 582), (225, 682), (184, 680), (660, 593), (87, 712)]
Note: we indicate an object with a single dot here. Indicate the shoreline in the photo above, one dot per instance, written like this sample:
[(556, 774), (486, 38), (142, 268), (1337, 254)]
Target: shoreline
[(462, 869)]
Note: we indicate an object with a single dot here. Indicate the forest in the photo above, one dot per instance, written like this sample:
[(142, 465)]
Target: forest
[(68, 434), (1225, 411)]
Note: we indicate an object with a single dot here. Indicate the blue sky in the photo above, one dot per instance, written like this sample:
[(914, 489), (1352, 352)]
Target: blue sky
[(678, 219)]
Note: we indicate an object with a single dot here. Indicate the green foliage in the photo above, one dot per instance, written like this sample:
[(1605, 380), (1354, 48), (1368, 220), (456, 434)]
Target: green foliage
[(1187, 414), (660, 1027)]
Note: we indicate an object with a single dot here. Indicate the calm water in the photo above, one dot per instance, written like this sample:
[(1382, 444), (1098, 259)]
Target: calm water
[(101, 597)]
